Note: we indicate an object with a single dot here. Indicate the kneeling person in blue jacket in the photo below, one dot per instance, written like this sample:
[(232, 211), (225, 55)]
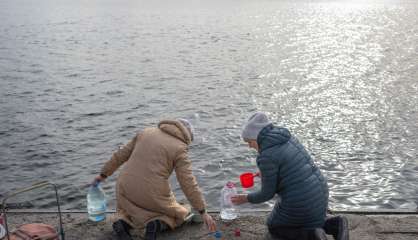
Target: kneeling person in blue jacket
[(287, 169)]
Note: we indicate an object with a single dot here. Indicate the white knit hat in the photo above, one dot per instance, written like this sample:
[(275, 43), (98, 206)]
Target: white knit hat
[(254, 125), (188, 125)]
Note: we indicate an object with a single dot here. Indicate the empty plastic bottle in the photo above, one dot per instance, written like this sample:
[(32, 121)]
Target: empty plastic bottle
[(96, 203), (228, 210)]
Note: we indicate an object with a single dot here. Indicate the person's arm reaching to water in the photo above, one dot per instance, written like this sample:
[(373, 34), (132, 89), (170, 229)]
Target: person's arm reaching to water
[(188, 184), (269, 178), (118, 158)]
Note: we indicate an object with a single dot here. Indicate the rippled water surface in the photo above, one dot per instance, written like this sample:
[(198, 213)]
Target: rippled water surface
[(79, 78)]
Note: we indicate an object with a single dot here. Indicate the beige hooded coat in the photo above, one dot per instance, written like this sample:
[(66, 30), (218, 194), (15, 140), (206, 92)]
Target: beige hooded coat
[(143, 190)]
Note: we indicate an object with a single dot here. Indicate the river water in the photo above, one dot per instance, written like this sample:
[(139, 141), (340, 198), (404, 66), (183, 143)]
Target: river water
[(78, 78)]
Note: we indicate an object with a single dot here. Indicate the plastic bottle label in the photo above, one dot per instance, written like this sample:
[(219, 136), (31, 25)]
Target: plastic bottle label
[(99, 218)]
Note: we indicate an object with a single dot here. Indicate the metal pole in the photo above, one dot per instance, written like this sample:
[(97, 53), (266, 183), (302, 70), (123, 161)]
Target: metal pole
[(59, 212)]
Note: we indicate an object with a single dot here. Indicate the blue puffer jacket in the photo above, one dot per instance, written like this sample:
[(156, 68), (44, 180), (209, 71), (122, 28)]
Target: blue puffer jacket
[(288, 170)]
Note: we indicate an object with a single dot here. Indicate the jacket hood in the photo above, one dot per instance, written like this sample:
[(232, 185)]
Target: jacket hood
[(176, 129), (271, 136)]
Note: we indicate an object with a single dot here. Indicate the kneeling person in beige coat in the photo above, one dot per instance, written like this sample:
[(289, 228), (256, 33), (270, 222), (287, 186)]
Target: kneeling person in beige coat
[(143, 193)]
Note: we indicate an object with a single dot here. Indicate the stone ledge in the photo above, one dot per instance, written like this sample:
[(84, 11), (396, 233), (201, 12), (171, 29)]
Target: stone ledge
[(251, 225)]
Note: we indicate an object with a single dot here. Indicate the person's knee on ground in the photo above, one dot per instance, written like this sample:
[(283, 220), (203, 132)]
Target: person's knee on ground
[(154, 227), (337, 227)]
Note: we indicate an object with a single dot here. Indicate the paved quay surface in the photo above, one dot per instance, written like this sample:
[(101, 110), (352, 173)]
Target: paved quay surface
[(251, 226)]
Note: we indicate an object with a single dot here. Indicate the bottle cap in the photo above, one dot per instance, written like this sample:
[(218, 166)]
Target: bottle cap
[(218, 234), (230, 184)]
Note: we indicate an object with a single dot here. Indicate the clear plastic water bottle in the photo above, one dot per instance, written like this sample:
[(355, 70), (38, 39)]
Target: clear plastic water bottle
[(228, 210), (96, 203)]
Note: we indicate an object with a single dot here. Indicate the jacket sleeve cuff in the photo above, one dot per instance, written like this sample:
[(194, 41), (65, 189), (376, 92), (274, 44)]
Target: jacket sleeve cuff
[(252, 198), (203, 211)]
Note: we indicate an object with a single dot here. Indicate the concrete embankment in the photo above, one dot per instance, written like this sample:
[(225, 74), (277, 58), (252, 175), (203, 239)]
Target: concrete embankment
[(363, 226)]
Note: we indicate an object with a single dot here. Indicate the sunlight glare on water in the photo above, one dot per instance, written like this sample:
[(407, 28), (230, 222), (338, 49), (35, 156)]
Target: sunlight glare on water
[(79, 78)]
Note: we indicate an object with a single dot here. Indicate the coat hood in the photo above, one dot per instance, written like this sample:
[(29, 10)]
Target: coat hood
[(271, 136), (176, 129)]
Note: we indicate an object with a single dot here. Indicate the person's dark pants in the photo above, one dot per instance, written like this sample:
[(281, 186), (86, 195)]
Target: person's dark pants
[(292, 233), (335, 226)]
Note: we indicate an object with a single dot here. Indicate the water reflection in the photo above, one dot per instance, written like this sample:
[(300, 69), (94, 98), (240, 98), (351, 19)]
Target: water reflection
[(77, 82)]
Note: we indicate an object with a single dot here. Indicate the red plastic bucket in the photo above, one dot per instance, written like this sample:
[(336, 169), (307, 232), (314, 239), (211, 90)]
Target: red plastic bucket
[(247, 180)]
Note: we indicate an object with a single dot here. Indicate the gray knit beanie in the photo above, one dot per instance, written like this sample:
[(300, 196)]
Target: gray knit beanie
[(188, 125), (254, 125)]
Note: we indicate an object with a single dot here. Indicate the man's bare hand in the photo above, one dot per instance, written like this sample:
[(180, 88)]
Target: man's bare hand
[(210, 223), (98, 179)]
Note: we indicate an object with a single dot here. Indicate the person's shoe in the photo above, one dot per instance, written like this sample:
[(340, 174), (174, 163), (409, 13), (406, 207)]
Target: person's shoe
[(121, 229), (151, 230), (337, 227)]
